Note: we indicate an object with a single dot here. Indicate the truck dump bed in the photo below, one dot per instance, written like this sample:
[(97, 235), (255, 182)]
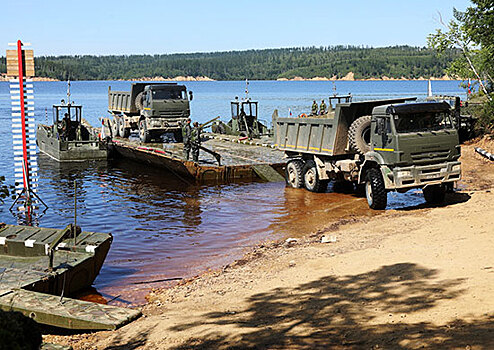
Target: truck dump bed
[(324, 136), (121, 101), (124, 101)]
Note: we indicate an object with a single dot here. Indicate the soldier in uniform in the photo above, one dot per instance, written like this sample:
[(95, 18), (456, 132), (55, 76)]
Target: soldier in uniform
[(186, 136), (322, 109), (65, 127), (314, 108), (195, 140)]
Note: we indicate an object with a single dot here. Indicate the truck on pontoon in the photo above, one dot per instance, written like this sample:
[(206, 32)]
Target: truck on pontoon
[(151, 108)]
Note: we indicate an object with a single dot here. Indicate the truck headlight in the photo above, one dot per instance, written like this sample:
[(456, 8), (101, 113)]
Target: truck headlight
[(456, 167), (404, 173)]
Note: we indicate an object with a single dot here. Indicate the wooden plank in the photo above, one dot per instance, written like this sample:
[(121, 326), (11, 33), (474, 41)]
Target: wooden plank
[(13, 65), (45, 234), (11, 54), (26, 233), (68, 313), (10, 230)]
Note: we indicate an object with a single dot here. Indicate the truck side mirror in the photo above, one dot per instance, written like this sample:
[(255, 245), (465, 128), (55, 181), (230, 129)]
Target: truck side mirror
[(191, 96)]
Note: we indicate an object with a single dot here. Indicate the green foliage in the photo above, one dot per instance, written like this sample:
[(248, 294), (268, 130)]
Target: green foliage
[(268, 64), (472, 31), (485, 115), (18, 332)]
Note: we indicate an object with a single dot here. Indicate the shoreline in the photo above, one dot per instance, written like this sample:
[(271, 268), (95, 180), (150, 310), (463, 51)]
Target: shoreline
[(348, 77), (404, 278)]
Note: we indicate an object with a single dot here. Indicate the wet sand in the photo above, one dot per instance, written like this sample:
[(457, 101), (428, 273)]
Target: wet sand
[(408, 278)]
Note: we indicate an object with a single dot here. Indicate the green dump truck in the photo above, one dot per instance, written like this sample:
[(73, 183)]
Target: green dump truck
[(384, 145), (151, 108)]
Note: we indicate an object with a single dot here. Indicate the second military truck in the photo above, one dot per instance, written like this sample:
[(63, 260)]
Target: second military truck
[(151, 108), (384, 145)]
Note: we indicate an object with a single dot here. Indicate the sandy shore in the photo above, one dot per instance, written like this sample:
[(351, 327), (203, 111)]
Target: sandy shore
[(406, 279), (348, 77)]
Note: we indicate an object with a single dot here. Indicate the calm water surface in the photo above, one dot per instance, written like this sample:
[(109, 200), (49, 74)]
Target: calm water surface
[(165, 228)]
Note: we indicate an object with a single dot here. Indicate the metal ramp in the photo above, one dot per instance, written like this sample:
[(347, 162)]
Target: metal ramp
[(66, 312), (267, 173)]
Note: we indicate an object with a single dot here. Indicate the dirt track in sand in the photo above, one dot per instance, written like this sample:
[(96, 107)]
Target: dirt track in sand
[(408, 279)]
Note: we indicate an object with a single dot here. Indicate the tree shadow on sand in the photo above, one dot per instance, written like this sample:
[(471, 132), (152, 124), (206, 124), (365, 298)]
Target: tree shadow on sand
[(367, 310)]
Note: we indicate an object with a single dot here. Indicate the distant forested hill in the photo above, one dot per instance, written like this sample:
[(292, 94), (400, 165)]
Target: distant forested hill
[(267, 64)]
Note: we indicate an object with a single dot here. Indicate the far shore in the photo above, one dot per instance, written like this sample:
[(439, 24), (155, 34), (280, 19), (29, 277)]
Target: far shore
[(349, 77)]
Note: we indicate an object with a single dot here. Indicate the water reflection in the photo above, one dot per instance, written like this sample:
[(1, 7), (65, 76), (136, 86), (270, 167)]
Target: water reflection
[(166, 228)]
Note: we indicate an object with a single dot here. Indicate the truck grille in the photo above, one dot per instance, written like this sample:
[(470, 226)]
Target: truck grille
[(172, 114), (429, 156)]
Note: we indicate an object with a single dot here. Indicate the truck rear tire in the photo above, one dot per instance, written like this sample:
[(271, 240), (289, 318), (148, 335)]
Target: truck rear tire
[(359, 134), (375, 191), (311, 178), (122, 131), (114, 127), (294, 175), (434, 194), (144, 134)]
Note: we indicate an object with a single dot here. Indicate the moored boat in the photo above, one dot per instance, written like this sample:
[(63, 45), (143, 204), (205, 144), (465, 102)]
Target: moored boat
[(70, 138), (41, 267)]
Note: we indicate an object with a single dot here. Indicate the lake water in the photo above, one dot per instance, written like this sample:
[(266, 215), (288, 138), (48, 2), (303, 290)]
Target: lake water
[(164, 228)]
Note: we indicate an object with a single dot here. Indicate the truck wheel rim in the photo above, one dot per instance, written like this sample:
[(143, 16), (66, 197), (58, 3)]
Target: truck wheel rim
[(121, 128), (368, 192), (292, 177), (366, 136), (310, 177)]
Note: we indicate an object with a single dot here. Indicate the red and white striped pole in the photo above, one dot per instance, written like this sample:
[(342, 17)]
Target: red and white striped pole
[(23, 122), (25, 164)]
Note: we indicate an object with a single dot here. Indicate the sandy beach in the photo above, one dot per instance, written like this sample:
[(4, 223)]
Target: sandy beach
[(421, 277)]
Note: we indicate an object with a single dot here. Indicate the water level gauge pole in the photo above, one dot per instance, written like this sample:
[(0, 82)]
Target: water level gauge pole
[(20, 65)]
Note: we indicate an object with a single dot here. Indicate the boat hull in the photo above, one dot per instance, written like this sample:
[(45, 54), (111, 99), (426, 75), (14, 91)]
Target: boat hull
[(69, 151)]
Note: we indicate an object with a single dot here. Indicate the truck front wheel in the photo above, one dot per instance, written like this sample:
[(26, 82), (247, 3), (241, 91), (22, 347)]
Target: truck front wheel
[(311, 178), (434, 194), (375, 190), (144, 134), (294, 174)]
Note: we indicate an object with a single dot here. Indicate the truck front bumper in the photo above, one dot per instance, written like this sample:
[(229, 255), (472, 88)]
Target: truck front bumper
[(165, 124), (421, 175)]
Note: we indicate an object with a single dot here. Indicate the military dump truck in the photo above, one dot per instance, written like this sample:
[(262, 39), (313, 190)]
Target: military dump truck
[(151, 108), (385, 145), (244, 120)]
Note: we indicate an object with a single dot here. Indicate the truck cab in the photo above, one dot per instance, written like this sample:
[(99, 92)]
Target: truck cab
[(414, 145), (151, 108), (169, 101)]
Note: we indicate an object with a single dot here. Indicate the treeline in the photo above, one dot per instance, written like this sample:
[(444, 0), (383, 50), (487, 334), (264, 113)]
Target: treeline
[(267, 64)]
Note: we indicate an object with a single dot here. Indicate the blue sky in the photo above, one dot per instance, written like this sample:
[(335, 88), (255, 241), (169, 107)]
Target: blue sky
[(155, 27)]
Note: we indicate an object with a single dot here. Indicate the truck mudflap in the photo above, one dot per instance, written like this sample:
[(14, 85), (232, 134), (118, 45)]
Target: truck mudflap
[(420, 175)]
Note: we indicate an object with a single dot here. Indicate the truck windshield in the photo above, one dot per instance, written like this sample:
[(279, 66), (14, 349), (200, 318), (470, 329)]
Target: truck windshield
[(166, 94), (422, 122)]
